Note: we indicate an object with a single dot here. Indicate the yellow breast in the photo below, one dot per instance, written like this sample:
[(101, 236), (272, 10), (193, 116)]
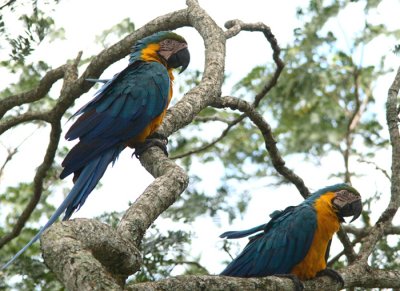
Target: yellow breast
[(328, 224)]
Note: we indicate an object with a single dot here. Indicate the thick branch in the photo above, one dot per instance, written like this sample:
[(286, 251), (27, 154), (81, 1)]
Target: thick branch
[(98, 257), (353, 277), (170, 182)]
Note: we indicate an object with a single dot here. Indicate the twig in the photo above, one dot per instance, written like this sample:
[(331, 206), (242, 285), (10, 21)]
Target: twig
[(214, 142), (382, 170), (270, 143)]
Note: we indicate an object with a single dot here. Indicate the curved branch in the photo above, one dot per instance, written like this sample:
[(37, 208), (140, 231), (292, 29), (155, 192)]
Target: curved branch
[(235, 26), (270, 142), (39, 92), (38, 182), (10, 122), (171, 179), (214, 142)]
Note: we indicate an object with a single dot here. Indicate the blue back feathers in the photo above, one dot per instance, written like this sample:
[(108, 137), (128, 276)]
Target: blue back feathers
[(280, 244)]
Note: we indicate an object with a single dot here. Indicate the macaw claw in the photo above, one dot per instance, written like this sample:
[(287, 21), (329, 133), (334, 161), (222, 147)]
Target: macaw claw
[(333, 274), (298, 284), (151, 142)]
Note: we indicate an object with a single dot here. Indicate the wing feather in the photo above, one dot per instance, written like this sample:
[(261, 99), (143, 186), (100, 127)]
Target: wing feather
[(285, 241), (122, 108)]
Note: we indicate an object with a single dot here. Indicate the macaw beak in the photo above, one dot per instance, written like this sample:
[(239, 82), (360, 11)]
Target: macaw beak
[(347, 204), (180, 59), (353, 209)]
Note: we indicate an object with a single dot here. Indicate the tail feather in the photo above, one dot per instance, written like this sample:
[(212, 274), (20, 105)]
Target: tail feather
[(242, 233), (86, 182), (98, 80)]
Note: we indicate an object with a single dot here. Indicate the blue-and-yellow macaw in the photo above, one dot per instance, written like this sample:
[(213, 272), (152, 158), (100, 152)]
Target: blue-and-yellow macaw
[(296, 240), (124, 112)]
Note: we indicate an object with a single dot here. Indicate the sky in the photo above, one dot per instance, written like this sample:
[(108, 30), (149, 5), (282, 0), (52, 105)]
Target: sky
[(83, 20)]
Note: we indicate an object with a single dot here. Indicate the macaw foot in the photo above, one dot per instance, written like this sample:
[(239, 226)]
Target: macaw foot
[(333, 274), (159, 136), (298, 285), (151, 142)]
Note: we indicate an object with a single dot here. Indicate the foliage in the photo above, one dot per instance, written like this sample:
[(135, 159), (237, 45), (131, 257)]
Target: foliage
[(36, 26)]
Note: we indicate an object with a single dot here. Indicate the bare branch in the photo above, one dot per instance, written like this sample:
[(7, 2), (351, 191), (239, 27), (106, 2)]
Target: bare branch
[(348, 246), (354, 276), (39, 92), (384, 172), (364, 231), (270, 142), (171, 178), (7, 4), (97, 255), (385, 220), (7, 123), (37, 185), (214, 142), (211, 118), (235, 26)]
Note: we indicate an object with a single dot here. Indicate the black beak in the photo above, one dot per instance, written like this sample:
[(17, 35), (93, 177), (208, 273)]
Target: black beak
[(352, 209), (180, 59)]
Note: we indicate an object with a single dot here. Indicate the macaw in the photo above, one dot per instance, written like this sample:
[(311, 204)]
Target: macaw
[(295, 242), (125, 111)]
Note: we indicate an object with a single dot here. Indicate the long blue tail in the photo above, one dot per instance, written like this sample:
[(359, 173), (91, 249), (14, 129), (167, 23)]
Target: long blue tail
[(88, 179)]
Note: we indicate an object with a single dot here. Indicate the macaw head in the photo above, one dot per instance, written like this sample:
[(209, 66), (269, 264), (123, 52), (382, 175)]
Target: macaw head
[(347, 202), (344, 199), (166, 47)]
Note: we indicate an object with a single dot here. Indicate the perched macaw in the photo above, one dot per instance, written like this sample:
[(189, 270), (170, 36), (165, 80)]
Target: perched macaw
[(124, 112), (296, 240)]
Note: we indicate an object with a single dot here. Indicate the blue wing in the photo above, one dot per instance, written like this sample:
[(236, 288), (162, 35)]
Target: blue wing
[(284, 242), (121, 109)]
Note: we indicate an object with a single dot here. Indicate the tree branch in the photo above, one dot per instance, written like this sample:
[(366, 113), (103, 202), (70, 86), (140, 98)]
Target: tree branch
[(214, 142), (30, 96), (235, 26), (38, 181), (98, 257), (385, 220), (353, 277), (270, 142)]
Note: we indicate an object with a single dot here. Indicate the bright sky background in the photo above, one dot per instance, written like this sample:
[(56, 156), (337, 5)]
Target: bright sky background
[(83, 20)]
